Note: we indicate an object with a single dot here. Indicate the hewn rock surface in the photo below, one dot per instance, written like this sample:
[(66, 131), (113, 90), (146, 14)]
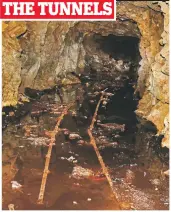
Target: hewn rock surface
[(154, 104), (11, 63), (39, 54)]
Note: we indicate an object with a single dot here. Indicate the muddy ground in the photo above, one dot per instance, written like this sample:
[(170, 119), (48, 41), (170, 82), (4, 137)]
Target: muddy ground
[(133, 155)]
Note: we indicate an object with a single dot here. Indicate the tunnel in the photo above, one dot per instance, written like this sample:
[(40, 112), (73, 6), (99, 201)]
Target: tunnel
[(84, 121)]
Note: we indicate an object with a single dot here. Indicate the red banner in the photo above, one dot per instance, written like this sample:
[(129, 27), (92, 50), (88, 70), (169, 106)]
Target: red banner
[(59, 10)]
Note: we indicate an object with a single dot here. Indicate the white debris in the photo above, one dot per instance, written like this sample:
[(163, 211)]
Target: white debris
[(109, 94), (71, 159), (118, 78), (74, 136), (81, 173), (96, 93), (75, 203), (74, 113), (155, 182), (77, 184), (38, 141), (133, 164), (87, 84), (89, 199), (114, 143), (15, 185), (104, 102), (11, 207)]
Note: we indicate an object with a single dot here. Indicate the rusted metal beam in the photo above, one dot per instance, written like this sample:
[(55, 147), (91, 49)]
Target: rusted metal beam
[(48, 156), (93, 142)]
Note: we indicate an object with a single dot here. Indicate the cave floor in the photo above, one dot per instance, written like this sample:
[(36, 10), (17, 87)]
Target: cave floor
[(24, 150)]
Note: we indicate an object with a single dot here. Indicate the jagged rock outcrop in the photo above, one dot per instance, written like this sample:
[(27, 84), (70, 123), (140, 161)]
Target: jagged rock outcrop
[(38, 54), (11, 63), (154, 105)]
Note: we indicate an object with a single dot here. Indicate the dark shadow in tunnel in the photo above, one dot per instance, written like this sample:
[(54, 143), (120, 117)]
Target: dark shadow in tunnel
[(119, 47)]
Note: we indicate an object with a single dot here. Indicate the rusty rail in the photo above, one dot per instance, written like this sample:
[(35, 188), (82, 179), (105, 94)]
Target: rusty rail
[(93, 142), (48, 156)]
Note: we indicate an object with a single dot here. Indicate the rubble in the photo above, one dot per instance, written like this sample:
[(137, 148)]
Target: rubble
[(81, 173)]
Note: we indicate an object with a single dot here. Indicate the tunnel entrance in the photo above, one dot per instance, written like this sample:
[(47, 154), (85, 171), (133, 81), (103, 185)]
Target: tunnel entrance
[(119, 47), (112, 54), (76, 180), (111, 64)]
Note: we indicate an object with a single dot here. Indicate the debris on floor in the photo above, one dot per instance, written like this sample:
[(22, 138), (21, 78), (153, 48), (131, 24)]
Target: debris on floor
[(81, 173), (11, 207), (16, 185)]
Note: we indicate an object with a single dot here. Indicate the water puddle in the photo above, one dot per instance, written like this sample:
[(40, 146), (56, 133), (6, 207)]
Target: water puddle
[(76, 181)]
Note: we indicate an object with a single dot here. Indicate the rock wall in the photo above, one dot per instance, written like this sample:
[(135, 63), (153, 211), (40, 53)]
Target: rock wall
[(11, 62), (36, 54), (154, 105)]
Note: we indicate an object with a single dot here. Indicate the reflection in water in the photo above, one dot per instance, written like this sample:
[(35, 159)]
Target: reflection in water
[(28, 138)]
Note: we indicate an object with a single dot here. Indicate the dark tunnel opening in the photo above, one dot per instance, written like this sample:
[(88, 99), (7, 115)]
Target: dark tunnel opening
[(119, 47)]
